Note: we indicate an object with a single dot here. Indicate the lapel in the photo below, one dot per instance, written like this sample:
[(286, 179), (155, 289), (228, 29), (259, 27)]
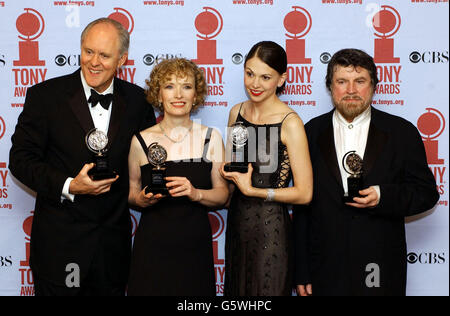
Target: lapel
[(78, 103), (328, 150), (376, 141), (118, 111)]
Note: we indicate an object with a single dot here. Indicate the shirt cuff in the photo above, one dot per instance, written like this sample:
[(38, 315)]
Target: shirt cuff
[(377, 189), (65, 191)]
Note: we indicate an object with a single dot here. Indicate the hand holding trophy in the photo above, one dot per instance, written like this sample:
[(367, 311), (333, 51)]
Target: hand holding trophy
[(97, 142), (239, 138), (353, 165), (157, 156)]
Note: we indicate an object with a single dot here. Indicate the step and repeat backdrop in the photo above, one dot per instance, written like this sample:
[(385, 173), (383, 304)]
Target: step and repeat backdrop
[(39, 40)]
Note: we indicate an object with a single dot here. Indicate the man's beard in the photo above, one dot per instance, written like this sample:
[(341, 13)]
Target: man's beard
[(351, 106)]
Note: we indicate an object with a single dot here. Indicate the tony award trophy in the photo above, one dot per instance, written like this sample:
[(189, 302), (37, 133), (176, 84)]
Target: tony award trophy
[(353, 165), (239, 138), (97, 141), (157, 156)]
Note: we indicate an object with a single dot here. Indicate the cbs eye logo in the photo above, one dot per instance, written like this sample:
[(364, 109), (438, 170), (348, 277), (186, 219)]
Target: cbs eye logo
[(148, 59), (237, 58), (325, 58)]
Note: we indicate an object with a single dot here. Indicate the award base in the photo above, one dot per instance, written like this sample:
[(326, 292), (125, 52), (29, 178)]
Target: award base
[(98, 175), (236, 167), (158, 183), (354, 186), (101, 170), (154, 190)]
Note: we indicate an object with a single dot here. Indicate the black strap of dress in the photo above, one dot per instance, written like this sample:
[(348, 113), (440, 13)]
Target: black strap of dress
[(205, 146), (287, 116), (141, 140)]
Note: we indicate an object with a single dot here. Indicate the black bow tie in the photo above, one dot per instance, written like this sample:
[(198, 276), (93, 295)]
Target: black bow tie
[(104, 99)]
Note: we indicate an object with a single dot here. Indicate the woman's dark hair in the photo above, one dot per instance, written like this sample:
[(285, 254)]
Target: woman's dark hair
[(352, 57), (271, 54)]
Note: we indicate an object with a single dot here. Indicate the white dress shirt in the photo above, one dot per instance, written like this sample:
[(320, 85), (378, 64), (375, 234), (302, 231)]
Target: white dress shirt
[(351, 137), (101, 118)]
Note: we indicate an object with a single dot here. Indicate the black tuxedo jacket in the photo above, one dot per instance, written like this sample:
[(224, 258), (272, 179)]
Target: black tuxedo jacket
[(48, 146), (335, 243)]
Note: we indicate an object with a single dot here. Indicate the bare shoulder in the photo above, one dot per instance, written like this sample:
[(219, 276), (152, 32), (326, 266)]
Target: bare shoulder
[(292, 119), (292, 127)]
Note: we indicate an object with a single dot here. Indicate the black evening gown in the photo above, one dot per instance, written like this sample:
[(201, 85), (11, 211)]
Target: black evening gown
[(172, 251), (258, 250)]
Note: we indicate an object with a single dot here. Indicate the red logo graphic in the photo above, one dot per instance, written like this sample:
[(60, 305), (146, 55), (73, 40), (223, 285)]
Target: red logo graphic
[(2, 127), (386, 23), (27, 224), (217, 224), (31, 25), (217, 227), (299, 24), (126, 19), (210, 24), (26, 276), (431, 125)]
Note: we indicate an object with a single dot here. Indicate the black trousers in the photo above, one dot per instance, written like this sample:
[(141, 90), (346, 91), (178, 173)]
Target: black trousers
[(47, 288), (94, 284)]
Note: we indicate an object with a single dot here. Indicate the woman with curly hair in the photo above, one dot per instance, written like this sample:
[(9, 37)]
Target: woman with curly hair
[(172, 253)]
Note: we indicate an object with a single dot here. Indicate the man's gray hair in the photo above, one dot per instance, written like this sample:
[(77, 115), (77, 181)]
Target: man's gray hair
[(124, 36)]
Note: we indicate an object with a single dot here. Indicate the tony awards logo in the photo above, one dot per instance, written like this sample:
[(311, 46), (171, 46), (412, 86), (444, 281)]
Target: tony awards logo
[(30, 25), (386, 23), (217, 228), (298, 23), (26, 276), (431, 125), (125, 18), (209, 23)]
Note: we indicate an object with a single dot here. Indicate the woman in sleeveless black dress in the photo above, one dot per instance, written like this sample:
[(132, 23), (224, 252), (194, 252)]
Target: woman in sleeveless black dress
[(258, 250), (172, 252)]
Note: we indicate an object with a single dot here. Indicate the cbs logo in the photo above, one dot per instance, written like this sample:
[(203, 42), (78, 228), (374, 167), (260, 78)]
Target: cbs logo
[(429, 57), (70, 60), (426, 258)]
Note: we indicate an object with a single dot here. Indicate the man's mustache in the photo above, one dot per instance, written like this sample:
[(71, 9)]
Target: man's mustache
[(353, 97)]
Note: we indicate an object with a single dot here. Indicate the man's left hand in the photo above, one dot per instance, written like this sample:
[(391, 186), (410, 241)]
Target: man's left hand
[(370, 199)]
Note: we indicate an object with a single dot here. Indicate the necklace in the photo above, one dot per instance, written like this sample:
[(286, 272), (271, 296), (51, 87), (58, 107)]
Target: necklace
[(172, 140)]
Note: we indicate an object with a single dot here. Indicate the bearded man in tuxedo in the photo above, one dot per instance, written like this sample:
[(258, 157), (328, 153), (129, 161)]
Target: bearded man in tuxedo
[(355, 245)]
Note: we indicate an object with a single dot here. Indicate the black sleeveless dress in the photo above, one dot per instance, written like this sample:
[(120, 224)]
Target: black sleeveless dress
[(258, 249), (172, 251)]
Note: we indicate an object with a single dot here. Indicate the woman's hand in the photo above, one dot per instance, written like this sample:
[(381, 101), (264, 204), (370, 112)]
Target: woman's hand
[(242, 180), (145, 200), (181, 186)]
